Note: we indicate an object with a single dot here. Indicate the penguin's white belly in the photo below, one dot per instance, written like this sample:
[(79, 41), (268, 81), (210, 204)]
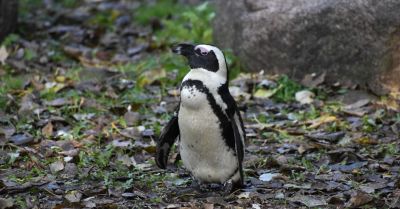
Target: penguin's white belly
[(202, 147)]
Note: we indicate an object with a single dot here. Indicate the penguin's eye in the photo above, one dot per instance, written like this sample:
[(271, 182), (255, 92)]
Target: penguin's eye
[(202, 51)]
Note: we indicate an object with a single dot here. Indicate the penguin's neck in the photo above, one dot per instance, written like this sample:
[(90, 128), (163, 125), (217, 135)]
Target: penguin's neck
[(211, 80)]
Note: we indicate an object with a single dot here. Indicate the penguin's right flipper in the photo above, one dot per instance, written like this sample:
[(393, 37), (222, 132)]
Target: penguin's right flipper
[(167, 139), (239, 149)]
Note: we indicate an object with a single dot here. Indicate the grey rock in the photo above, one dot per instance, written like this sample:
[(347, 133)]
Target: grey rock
[(353, 42)]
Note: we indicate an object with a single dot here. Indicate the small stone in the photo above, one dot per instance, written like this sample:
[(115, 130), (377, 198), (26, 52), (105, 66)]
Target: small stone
[(56, 166)]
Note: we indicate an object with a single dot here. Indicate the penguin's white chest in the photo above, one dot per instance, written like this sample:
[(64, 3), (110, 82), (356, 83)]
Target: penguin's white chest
[(202, 147)]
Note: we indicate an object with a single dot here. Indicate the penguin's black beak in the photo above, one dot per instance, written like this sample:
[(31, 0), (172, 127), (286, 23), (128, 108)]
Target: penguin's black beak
[(184, 49)]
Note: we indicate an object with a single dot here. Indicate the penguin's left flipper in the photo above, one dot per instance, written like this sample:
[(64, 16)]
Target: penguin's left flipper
[(167, 138), (239, 149)]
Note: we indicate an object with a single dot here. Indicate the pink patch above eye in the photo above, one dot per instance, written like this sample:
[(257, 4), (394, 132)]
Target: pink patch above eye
[(203, 50)]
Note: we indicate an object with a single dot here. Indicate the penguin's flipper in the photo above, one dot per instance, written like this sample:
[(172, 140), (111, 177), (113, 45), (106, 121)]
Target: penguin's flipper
[(166, 140), (238, 146)]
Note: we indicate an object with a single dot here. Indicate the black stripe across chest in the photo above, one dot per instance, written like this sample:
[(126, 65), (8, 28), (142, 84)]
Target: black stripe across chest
[(224, 123)]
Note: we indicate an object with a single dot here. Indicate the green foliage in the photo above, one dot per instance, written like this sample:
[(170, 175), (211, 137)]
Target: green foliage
[(179, 23), (10, 39), (192, 25), (29, 54), (8, 83), (369, 124), (161, 10), (233, 63), (286, 90)]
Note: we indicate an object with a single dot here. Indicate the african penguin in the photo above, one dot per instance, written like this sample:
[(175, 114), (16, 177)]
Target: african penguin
[(207, 120)]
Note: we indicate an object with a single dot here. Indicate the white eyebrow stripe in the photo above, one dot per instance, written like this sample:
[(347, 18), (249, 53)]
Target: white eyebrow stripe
[(202, 49)]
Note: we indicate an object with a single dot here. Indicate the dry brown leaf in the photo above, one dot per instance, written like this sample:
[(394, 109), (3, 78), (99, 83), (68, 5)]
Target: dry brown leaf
[(47, 130), (322, 120)]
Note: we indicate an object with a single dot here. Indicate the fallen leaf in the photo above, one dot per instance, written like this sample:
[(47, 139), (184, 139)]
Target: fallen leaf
[(265, 93), (54, 86), (312, 80), (126, 160), (123, 144), (304, 186), (367, 189), (47, 130), (244, 195), (322, 120), (329, 137), (309, 201), (7, 130), (358, 104), (366, 141), (57, 102), (131, 118), (359, 199), (83, 116), (348, 168)]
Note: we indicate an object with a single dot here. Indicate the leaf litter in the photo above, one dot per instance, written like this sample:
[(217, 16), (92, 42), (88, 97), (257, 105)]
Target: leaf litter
[(84, 98)]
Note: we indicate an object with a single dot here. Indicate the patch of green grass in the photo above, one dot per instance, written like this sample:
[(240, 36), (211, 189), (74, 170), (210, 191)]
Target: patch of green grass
[(307, 164), (98, 157), (9, 83), (390, 149), (298, 176), (338, 126)]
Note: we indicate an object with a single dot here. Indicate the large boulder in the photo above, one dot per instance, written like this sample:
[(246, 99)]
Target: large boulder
[(351, 41), (8, 17)]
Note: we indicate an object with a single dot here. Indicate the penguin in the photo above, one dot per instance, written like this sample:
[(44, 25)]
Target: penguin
[(207, 121)]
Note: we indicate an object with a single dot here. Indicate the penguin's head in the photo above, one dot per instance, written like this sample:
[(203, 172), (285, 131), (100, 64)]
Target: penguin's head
[(204, 57)]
